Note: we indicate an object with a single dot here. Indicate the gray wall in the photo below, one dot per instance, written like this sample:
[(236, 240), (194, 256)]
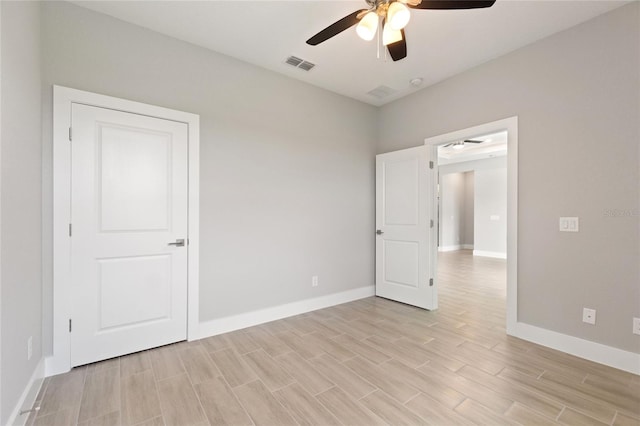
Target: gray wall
[(469, 208), (490, 215), (482, 193), (20, 193), (576, 98), (287, 170), (452, 210)]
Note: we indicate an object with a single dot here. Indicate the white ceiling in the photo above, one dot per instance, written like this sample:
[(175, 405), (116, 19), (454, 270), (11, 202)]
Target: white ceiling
[(440, 43), (492, 145)]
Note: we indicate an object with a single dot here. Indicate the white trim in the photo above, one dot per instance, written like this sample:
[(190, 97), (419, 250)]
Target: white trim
[(249, 319), (449, 248), (467, 246), (495, 254), (49, 366), (511, 126), (28, 397), (63, 97), (603, 354)]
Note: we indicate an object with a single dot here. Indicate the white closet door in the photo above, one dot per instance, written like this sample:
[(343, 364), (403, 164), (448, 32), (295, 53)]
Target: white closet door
[(129, 203)]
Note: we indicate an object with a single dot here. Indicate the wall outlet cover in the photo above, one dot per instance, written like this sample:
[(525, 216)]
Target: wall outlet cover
[(589, 316), (636, 326)]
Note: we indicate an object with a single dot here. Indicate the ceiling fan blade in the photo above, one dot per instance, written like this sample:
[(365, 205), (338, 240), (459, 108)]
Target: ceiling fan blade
[(336, 28), (447, 145), (398, 50), (453, 4), (472, 141)]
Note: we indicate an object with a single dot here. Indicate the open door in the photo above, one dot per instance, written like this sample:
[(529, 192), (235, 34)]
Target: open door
[(404, 227)]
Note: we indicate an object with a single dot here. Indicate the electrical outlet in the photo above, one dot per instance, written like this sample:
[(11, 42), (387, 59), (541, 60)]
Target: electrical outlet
[(29, 347), (636, 326), (314, 281), (589, 316)]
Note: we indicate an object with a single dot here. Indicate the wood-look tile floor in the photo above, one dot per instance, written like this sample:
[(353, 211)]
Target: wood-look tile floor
[(367, 362)]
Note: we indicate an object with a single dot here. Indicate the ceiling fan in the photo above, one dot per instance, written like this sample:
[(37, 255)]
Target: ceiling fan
[(393, 16), (460, 144)]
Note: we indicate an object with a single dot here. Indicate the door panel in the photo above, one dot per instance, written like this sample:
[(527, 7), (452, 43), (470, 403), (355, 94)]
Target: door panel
[(129, 201), (401, 262), (403, 198), (401, 184), (134, 174), (124, 282)]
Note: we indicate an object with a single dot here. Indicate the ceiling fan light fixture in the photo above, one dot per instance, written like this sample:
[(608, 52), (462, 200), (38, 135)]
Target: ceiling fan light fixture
[(398, 15), (389, 35), (367, 26)]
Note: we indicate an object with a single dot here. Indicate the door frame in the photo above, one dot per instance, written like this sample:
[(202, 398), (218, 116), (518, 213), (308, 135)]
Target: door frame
[(63, 98), (511, 126)]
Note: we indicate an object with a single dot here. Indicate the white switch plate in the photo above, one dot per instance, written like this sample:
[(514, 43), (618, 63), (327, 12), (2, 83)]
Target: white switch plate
[(494, 217), (589, 315), (636, 326), (569, 224), (314, 281), (29, 348)]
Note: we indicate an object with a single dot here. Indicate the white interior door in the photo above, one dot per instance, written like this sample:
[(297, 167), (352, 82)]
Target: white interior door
[(404, 231), (129, 201)]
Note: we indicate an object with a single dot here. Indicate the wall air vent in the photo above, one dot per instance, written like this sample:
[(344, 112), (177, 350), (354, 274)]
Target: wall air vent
[(381, 92), (299, 63)]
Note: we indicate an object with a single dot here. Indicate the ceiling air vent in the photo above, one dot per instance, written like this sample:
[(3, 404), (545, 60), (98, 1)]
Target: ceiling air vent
[(381, 92), (299, 63)]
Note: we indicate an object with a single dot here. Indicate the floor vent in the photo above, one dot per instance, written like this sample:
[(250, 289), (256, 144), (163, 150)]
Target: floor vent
[(299, 63), (381, 92)]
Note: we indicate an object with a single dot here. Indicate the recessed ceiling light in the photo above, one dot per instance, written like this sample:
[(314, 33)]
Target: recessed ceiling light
[(416, 81)]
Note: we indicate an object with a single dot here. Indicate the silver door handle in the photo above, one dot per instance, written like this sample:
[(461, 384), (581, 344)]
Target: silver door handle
[(178, 243), (379, 232)]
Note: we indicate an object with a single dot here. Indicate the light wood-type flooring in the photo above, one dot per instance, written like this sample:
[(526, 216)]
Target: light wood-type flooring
[(368, 362)]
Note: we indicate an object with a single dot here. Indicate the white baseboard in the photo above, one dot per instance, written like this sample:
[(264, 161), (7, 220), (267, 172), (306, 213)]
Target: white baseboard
[(249, 319), (495, 254), (467, 246), (449, 248), (28, 396), (597, 352), (50, 367)]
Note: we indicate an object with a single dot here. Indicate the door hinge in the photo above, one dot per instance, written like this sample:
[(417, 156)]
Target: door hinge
[(69, 325), (69, 229), (70, 135), (431, 223), (430, 282), (431, 164)]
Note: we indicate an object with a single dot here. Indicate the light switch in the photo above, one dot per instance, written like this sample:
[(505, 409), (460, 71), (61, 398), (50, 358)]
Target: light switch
[(569, 224)]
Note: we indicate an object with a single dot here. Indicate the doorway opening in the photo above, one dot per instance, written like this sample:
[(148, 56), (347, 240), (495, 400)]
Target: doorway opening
[(472, 230), (475, 249)]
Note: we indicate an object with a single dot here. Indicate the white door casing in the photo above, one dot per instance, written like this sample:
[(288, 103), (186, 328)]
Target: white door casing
[(403, 214), (63, 292), (128, 201)]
